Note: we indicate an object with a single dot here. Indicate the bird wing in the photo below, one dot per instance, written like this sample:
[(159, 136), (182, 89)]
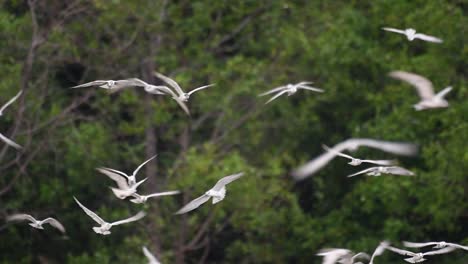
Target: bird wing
[(163, 194), (400, 251), (418, 245), (444, 92), (120, 84), (151, 258), (143, 164), (362, 172), (428, 38), (53, 222), (276, 96), (170, 81), (458, 246), (422, 85), (175, 97), (336, 152), (440, 251), (12, 100), (121, 194), (380, 162), (305, 87), (93, 83), (274, 90), (194, 204), (20, 217), (134, 218), (200, 88), (90, 213), (332, 255), (226, 180), (9, 142), (399, 171), (379, 250), (360, 255), (118, 178), (394, 30)]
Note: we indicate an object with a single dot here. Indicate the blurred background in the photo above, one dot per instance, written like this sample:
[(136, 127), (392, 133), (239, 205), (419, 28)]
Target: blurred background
[(246, 48)]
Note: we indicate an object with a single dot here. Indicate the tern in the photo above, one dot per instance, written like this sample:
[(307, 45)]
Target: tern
[(435, 245), (12, 100), (340, 255), (151, 258), (377, 171), (131, 179), (125, 190), (411, 35), (357, 162), (105, 226), (37, 223), (425, 90), (138, 199), (218, 192), (181, 95), (353, 144), (111, 84), (379, 250), (418, 257), (290, 89)]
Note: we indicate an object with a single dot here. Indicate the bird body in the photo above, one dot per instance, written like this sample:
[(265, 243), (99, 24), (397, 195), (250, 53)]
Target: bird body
[(112, 84), (418, 257), (411, 34), (356, 161), (377, 171), (37, 223), (181, 95), (290, 89), (436, 245), (131, 179), (126, 192)]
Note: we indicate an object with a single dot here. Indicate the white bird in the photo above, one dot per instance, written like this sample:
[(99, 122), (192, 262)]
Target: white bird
[(340, 255), (290, 89), (138, 199), (126, 192), (379, 250), (353, 144), (9, 142), (377, 171), (425, 90), (411, 35), (37, 223), (218, 192), (105, 226), (182, 96), (111, 84), (436, 245), (131, 179), (356, 162), (151, 258), (12, 100), (149, 88), (418, 257)]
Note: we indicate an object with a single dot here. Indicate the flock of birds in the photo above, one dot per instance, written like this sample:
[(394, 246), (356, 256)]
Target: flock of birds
[(127, 185)]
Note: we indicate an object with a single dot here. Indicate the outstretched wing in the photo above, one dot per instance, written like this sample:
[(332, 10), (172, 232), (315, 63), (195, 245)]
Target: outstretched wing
[(163, 194), (399, 171), (422, 85), (169, 81), (90, 213), (12, 100), (440, 251), (400, 251), (143, 164), (274, 90), (306, 87), (9, 142), (457, 246), (362, 172), (336, 152), (134, 218), (394, 30), (20, 217), (53, 222), (175, 97), (381, 162), (151, 258), (379, 250), (226, 180), (93, 83), (194, 204), (200, 88), (428, 38), (276, 96), (418, 245), (444, 92), (118, 178)]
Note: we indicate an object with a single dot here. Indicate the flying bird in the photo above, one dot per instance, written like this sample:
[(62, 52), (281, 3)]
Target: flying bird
[(131, 179), (379, 250), (105, 226), (340, 255), (436, 245), (181, 95), (218, 192), (353, 144), (425, 90), (290, 89), (12, 100), (138, 199), (377, 171), (357, 162), (126, 192), (412, 35), (37, 223), (151, 258), (418, 257), (111, 84)]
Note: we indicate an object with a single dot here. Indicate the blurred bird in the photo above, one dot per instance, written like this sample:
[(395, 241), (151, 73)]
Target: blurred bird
[(379, 250), (425, 90), (105, 226), (37, 223), (353, 144), (138, 199), (149, 88), (418, 257), (12, 100), (339, 255), (131, 179), (436, 245), (181, 95), (357, 162), (151, 258), (411, 35), (218, 192), (377, 171), (111, 84), (290, 89), (126, 192)]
